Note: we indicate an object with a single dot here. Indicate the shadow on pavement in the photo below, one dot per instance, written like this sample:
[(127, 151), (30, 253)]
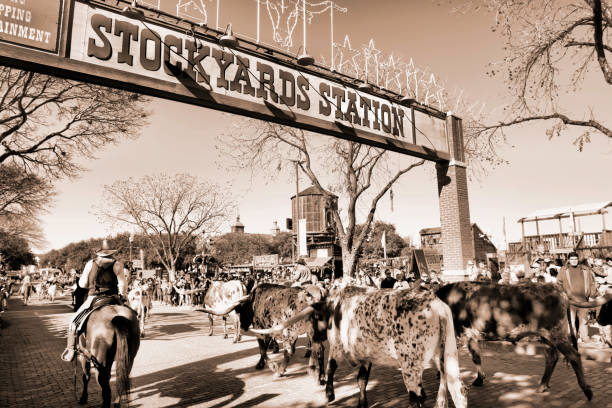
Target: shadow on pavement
[(511, 382), (196, 383)]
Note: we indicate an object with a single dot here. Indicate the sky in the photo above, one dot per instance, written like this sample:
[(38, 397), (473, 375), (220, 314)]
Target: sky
[(540, 173)]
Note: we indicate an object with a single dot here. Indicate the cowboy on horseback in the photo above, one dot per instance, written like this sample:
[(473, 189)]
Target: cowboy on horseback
[(103, 276)]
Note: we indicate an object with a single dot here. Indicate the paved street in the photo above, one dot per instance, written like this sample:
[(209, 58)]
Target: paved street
[(179, 365)]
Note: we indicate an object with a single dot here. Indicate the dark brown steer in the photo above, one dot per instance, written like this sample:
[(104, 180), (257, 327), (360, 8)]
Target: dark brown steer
[(512, 312), (269, 305)]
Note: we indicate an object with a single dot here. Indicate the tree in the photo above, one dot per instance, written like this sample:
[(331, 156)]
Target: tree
[(23, 197), (372, 248), (358, 172), (46, 123), (76, 254), (171, 211), (14, 251), (281, 244), (238, 248), (551, 47)]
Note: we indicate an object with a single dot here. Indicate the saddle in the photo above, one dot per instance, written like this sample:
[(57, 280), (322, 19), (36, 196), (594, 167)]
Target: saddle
[(98, 303)]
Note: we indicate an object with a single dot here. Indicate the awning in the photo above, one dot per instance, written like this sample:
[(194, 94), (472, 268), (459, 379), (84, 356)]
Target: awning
[(317, 262), (564, 212)]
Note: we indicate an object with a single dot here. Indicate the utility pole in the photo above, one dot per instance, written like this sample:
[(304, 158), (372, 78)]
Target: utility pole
[(297, 208), (295, 252)]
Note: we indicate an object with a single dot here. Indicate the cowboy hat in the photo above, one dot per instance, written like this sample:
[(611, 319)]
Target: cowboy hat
[(105, 250)]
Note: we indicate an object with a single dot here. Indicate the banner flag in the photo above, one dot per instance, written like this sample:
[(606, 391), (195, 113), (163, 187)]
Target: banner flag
[(383, 241)]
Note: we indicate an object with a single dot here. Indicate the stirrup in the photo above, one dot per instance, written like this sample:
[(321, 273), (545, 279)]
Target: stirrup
[(68, 354)]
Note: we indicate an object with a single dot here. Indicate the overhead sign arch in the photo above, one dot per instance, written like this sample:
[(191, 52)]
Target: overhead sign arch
[(92, 40), (166, 56)]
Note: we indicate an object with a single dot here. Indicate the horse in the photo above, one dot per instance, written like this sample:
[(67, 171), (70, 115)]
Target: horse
[(140, 301), (112, 335)]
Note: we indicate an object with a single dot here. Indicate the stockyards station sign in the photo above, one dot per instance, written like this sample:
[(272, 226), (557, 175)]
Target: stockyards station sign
[(161, 55)]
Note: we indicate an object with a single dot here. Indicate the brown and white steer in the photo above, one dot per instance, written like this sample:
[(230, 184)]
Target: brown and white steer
[(219, 295), (139, 300), (512, 312), (387, 327), (268, 305)]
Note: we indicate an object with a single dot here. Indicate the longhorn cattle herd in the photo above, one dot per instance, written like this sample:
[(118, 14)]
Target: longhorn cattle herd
[(406, 328)]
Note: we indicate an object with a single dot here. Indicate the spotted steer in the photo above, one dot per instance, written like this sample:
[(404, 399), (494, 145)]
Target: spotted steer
[(387, 327), (221, 294), (269, 305), (512, 312)]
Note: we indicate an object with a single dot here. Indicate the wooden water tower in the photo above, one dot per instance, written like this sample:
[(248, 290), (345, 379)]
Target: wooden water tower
[(317, 209)]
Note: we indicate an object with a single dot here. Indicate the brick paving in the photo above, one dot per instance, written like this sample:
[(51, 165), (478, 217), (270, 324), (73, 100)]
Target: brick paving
[(179, 365)]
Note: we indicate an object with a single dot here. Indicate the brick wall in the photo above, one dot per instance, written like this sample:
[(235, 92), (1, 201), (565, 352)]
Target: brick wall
[(482, 245), (457, 240)]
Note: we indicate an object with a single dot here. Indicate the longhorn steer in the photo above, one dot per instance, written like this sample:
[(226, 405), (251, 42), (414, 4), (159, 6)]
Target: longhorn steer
[(221, 294), (387, 327), (513, 312), (268, 305)]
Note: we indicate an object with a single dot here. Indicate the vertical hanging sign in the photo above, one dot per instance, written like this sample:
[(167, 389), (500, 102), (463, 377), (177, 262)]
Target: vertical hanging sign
[(303, 250), (31, 23)]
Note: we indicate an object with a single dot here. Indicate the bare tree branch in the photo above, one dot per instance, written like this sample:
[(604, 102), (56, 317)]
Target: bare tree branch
[(46, 123), (550, 47), (169, 210), (354, 172)]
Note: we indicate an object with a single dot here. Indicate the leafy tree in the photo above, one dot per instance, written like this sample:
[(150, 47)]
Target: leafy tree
[(14, 251), (239, 248), (372, 247), (170, 211), (23, 197), (281, 244), (551, 47)]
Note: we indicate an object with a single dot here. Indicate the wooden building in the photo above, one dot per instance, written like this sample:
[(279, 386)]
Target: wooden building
[(567, 239), (317, 210), (484, 249)]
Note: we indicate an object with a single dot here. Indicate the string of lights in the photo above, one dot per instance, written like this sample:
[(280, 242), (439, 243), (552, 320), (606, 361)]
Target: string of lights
[(229, 41)]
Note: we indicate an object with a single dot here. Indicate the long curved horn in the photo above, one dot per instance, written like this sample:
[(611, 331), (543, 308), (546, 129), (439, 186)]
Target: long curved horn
[(223, 312), (598, 301), (289, 322)]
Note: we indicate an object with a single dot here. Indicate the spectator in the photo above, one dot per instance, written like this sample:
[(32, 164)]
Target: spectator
[(389, 280), (481, 273), (401, 282), (598, 269), (302, 274), (608, 270), (26, 288), (471, 270), (578, 282)]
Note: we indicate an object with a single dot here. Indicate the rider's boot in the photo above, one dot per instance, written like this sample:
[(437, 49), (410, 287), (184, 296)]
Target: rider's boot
[(68, 354)]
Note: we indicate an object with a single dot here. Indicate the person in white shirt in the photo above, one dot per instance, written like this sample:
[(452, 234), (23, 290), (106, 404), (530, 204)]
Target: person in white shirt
[(102, 276)]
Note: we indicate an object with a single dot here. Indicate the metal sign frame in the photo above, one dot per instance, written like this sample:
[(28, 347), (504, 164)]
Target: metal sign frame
[(187, 90)]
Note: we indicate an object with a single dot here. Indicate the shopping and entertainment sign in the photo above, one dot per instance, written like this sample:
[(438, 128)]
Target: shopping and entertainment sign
[(265, 261), (31, 23), (157, 58)]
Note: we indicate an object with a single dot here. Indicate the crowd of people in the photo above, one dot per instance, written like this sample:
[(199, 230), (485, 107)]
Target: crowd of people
[(40, 283), (582, 279)]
